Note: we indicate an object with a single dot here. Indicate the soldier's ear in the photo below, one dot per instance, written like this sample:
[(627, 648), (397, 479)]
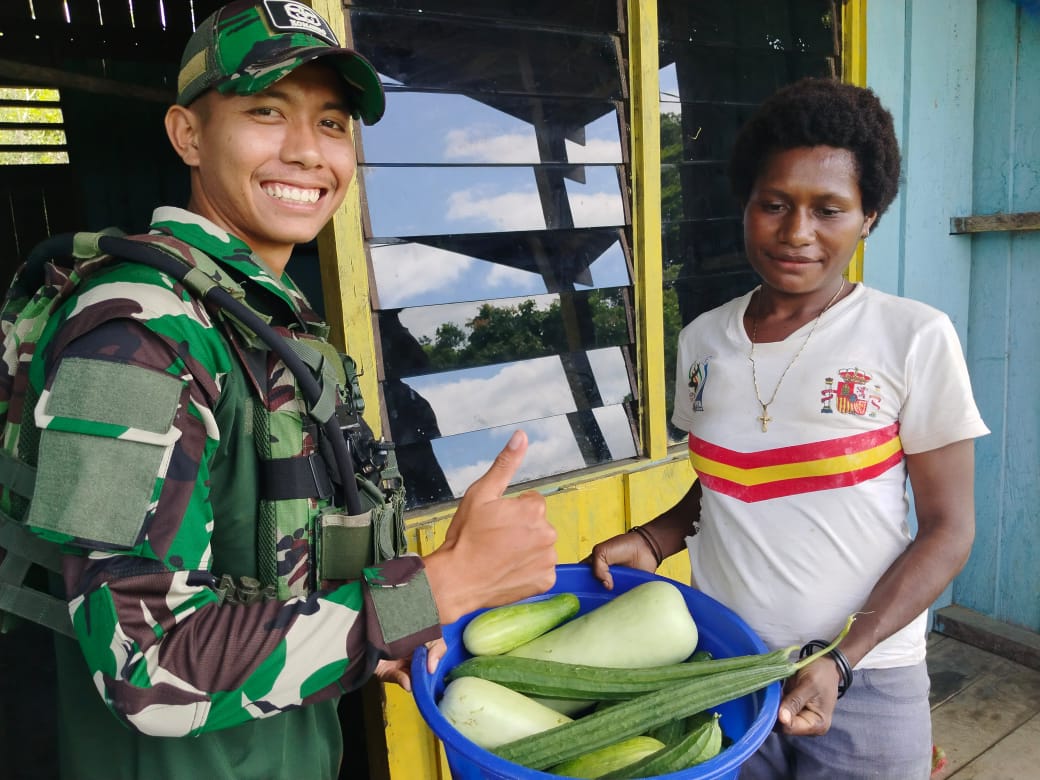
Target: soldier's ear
[(182, 128)]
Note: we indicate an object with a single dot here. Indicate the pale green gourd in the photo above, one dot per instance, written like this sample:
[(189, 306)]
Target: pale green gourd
[(491, 715), (649, 625)]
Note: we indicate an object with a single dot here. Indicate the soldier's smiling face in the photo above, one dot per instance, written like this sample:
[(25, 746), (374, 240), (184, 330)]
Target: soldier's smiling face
[(271, 168)]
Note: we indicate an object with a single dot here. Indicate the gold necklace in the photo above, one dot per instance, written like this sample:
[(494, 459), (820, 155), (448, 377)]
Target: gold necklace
[(765, 419)]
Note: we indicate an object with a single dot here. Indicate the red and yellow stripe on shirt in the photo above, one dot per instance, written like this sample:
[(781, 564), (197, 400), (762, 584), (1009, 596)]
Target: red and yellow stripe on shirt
[(803, 468)]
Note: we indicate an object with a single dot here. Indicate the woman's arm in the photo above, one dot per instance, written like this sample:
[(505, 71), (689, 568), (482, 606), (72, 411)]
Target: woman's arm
[(667, 535), (944, 497)]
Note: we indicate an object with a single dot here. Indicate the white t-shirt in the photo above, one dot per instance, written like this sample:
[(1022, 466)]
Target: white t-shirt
[(800, 521)]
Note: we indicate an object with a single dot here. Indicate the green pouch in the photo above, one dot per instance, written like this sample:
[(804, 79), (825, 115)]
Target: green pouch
[(344, 545), (348, 543), (388, 539)]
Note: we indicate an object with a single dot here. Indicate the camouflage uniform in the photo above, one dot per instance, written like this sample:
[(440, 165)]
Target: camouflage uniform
[(148, 475)]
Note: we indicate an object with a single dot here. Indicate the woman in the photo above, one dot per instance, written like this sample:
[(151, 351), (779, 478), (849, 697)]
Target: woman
[(809, 401)]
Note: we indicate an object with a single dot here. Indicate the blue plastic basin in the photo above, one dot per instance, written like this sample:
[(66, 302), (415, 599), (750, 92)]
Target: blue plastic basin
[(747, 720)]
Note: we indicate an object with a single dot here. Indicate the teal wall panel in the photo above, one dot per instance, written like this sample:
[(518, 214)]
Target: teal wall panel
[(987, 361), (921, 62), (887, 52), (977, 587), (961, 81), (1002, 579), (1018, 580)]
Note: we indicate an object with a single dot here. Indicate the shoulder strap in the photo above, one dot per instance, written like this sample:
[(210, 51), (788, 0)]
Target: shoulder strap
[(20, 550), (210, 288)]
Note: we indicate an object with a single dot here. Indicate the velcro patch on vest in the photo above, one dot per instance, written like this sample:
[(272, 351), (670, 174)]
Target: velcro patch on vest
[(402, 600), (106, 434)]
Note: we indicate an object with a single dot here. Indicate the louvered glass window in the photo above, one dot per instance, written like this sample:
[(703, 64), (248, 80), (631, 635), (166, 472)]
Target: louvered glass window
[(497, 232)]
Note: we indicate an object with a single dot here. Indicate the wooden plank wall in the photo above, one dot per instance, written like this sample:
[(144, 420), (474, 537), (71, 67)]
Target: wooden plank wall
[(921, 62), (1001, 579), (960, 80)]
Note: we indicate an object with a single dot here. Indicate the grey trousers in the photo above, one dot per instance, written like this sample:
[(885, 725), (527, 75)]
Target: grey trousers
[(882, 729)]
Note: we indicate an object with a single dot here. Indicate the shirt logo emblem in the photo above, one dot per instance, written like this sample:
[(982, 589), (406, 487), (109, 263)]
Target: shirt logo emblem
[(698, 376), (852, 394)]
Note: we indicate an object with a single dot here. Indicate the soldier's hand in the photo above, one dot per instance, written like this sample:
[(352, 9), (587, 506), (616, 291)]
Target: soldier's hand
[(497, 550)]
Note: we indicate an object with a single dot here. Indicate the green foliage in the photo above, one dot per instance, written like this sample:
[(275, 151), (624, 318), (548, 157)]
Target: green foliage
[(671, 156), (498, 334), (672, 326), (34, 118), (671, 215)]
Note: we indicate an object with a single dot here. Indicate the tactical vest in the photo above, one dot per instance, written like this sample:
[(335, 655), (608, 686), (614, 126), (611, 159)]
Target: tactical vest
[(331, 500)]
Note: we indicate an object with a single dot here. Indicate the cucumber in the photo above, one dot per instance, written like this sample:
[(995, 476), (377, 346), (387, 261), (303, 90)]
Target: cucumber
[(700, 744), (560, 681), (502, 629), (597, 763), (649, 625)]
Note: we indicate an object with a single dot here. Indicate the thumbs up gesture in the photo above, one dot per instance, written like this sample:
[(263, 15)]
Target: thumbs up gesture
[(497, 550)]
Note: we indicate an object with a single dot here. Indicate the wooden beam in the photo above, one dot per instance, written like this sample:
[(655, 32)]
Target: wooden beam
[(645, 126), (38, 75), (1008, 641), (853, 55), (988, 223)]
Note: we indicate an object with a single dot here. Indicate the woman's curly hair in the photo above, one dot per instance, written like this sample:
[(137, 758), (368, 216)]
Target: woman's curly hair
[(822, 112)]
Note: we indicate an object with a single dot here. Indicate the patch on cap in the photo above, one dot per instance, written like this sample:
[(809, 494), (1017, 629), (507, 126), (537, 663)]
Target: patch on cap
[(291, 16)]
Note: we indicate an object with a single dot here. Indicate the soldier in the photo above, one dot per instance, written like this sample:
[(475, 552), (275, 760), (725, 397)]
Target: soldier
[(158, 460)]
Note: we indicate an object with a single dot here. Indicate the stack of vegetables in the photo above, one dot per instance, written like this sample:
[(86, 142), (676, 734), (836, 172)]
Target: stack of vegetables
[(618, 692)]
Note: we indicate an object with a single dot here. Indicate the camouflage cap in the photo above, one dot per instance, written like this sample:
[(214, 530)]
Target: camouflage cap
[(246, 46)]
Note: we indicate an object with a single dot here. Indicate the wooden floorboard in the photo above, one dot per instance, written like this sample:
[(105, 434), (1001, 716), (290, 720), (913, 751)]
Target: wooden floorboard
[(1013, 758), (985, 713)]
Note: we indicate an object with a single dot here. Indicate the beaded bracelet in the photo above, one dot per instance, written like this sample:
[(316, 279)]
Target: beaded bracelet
[(844, 667), (651, 542)]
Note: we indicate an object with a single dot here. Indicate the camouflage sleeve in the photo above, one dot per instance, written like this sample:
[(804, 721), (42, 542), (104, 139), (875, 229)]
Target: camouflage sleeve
[(167, 655)]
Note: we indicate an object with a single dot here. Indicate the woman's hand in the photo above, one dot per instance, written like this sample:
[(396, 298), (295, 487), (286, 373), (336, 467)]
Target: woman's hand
[(629, 549), (809, 698), (644, 549), (395, 671)]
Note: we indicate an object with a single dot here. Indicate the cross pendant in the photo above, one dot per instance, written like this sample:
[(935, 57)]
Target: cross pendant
[(765, 418)]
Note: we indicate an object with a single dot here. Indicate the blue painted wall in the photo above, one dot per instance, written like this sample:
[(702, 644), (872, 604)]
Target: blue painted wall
[(962, 79), (1002, 578)]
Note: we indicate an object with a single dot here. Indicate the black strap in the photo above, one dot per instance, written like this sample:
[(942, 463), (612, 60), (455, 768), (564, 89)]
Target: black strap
[(305, 476)]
